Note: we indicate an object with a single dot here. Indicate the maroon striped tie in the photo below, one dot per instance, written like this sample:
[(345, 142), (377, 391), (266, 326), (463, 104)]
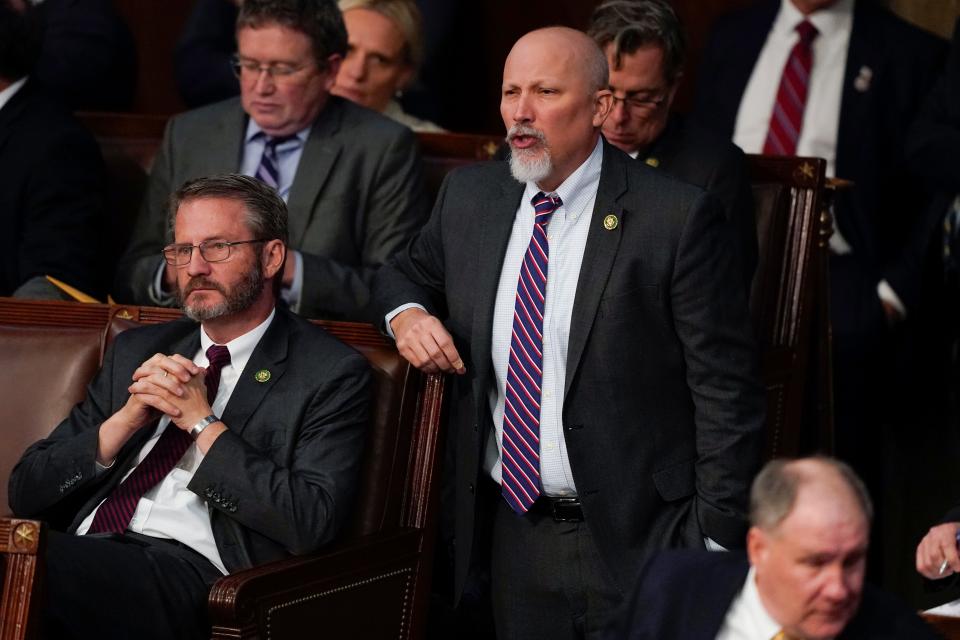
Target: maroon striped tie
[(115, 512), (787, 118)]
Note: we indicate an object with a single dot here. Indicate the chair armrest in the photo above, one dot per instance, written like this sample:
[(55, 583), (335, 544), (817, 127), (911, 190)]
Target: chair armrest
[(21, 547), (362, 588)]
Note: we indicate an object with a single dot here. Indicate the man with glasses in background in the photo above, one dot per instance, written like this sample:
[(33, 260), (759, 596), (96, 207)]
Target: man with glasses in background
[(351, 178), (201, 449), (645, 47)]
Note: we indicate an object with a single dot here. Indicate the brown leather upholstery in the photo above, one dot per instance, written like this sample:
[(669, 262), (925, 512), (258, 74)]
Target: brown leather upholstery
[(788, 302), (374, 583)]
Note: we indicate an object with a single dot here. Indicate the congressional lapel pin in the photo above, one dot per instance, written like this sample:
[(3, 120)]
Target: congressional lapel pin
[(261, 376), (653, 162), (610, 222), (862, 82)]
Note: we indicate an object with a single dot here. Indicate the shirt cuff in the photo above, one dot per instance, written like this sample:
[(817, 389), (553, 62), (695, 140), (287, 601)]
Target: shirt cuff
[(393, 314), (713, 545), (291, 294), (888, 295), (155, 291)]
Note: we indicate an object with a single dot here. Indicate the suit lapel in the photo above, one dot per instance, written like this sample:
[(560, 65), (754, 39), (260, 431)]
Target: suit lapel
[(857, 93), (226, 148), (319, 155), (269, 355), (494, 230), (598, 256), (12, 110)]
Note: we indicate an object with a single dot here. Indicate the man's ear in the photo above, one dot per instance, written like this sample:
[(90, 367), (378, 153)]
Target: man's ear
[(603, 103), (274, 254), (757, 545)]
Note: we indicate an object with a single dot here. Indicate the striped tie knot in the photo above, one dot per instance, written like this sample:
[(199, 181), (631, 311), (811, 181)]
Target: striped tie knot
[(544, 206), (807, 31), (269, 171)]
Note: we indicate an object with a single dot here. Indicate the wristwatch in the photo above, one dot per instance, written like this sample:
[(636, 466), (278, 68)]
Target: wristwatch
[(198, 428)]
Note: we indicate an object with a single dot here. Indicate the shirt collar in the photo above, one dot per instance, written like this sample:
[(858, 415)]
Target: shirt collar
[(241, 347), (762, 622), (584, 179), (8, 93), (827, 21), (254, 130)]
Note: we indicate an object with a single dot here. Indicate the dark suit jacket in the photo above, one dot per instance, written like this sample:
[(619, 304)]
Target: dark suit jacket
[(280, 481), (663, 409), (878, 214), (705, 159), (201, 60), (51, 196), (357, 198), (685, 595)]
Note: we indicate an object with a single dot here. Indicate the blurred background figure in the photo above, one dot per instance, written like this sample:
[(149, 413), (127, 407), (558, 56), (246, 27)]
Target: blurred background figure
[(201, 60), (51, 176), (384, 53)]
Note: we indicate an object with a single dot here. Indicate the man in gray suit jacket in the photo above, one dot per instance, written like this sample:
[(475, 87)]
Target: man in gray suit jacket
[(199, 450), (351, 178), (617, 409)]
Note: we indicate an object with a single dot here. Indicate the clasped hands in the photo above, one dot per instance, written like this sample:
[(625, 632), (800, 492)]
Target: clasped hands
[(424, 342), (171, 385)]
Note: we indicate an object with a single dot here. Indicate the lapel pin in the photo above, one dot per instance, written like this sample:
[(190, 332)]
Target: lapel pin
[(261, 376), (653, 162), (610, 222), (862, 82)]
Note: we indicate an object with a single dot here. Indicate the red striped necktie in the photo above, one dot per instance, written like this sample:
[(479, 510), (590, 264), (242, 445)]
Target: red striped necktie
[(115, 512), (520, 449), (786, 120)]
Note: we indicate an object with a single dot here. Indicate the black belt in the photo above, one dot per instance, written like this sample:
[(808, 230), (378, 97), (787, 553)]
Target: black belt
[(560, 509)]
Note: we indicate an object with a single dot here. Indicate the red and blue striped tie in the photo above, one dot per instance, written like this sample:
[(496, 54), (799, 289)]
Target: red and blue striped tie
[(115, 512), (787, 118), (520, 449)]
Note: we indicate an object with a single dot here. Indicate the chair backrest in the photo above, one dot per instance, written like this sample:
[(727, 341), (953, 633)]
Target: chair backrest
[(788, 300), (443, 152)]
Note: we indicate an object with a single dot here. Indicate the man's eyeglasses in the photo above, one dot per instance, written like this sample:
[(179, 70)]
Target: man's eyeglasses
[(278, 71), (639, 104), (178, 255)]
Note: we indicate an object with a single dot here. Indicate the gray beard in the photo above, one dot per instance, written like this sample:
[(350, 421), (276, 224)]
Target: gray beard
[(528, 167), (240, 299)]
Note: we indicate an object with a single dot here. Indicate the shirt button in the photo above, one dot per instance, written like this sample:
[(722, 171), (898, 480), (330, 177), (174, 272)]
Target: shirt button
[(550, 445), (548, 394)]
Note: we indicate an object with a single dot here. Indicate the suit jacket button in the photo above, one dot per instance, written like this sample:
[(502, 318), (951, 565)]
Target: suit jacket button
[(471, 488)]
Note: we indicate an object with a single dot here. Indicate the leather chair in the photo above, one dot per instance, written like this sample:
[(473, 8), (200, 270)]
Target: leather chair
[(373, 583)]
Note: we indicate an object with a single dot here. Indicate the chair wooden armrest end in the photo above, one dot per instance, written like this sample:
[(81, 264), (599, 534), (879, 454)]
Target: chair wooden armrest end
[(947, 626), (21, 546), (335, 590)]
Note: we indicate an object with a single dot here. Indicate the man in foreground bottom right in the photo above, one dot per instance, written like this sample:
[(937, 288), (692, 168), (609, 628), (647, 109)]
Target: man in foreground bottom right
[(802, 577)]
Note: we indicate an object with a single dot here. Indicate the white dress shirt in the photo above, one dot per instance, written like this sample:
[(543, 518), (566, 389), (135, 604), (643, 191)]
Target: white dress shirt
[(567, 235), (747, 619), (170, 509)]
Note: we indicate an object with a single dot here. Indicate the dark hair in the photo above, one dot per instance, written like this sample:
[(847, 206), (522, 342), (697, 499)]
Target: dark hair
[(775, 488), (20, 37), (319, 20), (266, 211), (631, 24)]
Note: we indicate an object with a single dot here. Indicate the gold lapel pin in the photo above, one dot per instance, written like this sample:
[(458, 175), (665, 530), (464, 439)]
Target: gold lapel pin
[(261, 376), (610, 222), (653, 162)]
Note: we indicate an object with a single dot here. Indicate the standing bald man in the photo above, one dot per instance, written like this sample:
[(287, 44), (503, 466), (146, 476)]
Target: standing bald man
[(606, 402)]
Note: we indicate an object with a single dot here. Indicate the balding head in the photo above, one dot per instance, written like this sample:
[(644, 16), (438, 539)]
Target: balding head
[(808, 544), (553, 103)]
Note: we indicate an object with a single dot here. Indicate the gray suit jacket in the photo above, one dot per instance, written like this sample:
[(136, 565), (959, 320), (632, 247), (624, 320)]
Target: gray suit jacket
[(280, 481), (663, 408), (357, 197)]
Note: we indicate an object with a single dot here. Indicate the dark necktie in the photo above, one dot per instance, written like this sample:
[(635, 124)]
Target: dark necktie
[(269, 170), (787, 118), (115, 512), (520, 448)]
